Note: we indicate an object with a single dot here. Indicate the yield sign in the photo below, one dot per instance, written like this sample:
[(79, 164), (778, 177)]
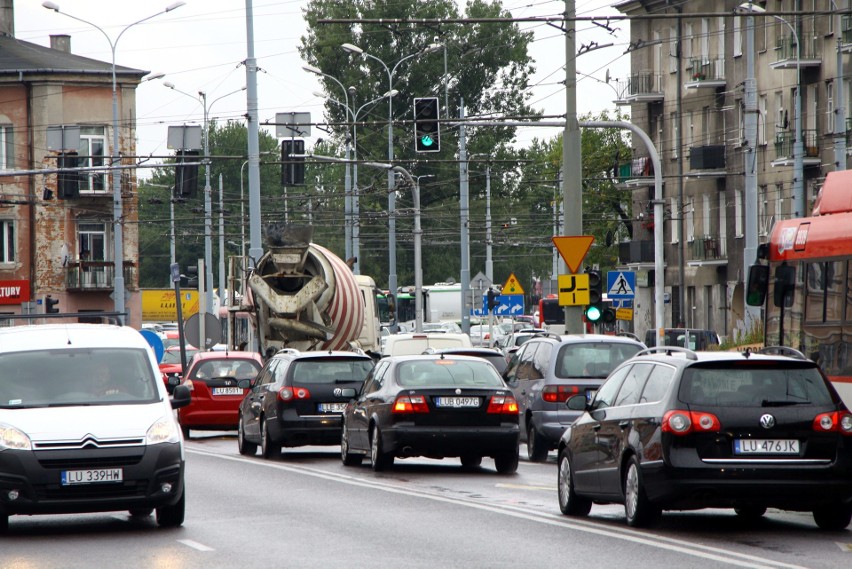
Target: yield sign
[(573, 249)]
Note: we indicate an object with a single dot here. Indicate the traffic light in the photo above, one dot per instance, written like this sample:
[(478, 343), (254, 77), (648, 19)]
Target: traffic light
[(191, 278), (50, 305), (186, 176), (427, 132), (68, 183), (491, 299), (292, 169), (594, 310)]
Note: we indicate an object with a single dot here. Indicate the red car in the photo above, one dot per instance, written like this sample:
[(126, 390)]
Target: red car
[(170, 365), (213, 379)]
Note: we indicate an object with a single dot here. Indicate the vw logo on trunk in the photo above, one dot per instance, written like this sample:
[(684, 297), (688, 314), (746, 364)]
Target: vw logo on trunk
[(338, 392), (767, 421)]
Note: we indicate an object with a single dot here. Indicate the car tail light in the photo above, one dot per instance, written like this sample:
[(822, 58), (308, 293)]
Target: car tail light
[(836, 421), (291, 393), (559, 393), (503, 404), (410, 404), (681, 422)]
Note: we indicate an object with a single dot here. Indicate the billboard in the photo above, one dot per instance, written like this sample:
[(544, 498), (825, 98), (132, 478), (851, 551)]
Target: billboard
[(158, 305)]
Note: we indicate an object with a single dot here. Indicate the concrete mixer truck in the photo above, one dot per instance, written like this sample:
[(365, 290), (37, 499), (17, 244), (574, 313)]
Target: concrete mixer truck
[(300, 295)]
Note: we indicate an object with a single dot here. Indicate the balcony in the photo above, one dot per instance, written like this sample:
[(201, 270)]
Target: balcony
[(708, 160), (784, 142), (705, 72), (636, 253), (95, 276), (707, 250), (644, 87), (637, 173), (787, 56)]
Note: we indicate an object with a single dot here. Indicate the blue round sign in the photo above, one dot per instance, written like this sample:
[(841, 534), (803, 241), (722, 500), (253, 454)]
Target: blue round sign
[(155, 342)]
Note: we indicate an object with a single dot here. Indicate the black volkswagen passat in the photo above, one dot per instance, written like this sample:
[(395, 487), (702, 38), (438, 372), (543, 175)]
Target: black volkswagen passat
[(673, 429), (435, 406)]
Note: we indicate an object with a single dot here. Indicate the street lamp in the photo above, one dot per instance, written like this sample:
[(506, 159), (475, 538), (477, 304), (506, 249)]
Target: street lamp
[(798, 143), (354, 210), (347, 180), (392, 284), (117, 210), (208, 206)]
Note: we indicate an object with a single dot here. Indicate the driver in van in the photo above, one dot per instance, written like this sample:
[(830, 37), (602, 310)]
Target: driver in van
[(105, 384)]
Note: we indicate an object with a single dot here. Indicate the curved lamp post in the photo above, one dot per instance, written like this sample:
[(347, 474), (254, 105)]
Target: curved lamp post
[(117, 211)]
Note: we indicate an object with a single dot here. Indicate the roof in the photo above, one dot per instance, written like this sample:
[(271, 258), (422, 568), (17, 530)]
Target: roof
[(18, 56), (57, 336), (321, 354), (233, 355)]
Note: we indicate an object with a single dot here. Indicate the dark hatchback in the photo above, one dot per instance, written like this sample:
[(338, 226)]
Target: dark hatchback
[(497, 359), (436, 406), (673, 429), (298, 399)]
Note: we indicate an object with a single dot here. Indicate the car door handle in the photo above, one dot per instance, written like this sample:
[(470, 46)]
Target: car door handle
[(597, 427), (624, 424)]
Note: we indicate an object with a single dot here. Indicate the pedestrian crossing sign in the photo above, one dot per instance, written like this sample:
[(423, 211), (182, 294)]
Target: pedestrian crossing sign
[(512, 286), (620, 284)]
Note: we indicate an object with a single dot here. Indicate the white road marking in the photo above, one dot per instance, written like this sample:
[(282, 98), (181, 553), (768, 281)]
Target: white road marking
[(844, 547), (713, 553), (195, 545)]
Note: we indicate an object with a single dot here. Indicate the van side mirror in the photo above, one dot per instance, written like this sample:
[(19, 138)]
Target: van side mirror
[(758, 285), (785, 284), (180, 397)]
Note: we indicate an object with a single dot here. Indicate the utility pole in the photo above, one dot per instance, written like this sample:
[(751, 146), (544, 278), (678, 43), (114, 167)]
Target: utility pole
[(464, 210)]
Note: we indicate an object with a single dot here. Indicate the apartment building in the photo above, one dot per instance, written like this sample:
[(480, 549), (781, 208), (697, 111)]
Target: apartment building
[(687, 90), (57, 229)]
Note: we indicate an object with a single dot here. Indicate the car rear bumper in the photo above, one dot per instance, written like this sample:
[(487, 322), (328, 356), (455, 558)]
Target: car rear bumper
[(411, 440), (293, 430), (790, 488), (36, 478), (551, 424)]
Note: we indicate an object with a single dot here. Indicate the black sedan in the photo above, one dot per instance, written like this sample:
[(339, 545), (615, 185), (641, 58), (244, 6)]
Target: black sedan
[(435, 406), (298, 399), (673, 429)]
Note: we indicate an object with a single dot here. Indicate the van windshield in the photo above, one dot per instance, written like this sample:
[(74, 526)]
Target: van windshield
[(90, 376)]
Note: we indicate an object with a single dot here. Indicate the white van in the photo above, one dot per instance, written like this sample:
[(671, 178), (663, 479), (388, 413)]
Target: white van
[(410, 344), (86, 424)]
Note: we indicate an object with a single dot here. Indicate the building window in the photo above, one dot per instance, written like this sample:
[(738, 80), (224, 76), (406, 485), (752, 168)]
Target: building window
[(738, 36), (7, 241), (92, 154), (723, 224), (829, 107), (7, 147), (675, 220), (674, 123), (92, 239), (738, 213), (761, 120), (673, 50)]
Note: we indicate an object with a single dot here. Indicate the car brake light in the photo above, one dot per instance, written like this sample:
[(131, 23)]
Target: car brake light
[(503, 404), (836, 421), (410, 404), (559, 393), (290, 393), (681, 422)]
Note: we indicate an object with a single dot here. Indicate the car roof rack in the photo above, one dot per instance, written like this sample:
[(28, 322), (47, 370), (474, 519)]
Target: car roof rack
[(630, 335), (781, 351), (547, 334), (669, 350)]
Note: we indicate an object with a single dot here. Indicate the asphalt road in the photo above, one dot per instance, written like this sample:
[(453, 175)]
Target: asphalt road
[(306, 510)]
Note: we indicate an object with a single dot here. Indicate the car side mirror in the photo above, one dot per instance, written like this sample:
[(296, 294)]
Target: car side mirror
[(247, 383), (180, 397)]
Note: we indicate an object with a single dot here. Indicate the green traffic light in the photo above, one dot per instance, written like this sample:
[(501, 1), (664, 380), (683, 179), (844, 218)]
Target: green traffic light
[(427, 140), (593, 313)]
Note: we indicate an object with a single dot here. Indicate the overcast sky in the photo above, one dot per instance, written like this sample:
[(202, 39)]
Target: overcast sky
[(200, 46)]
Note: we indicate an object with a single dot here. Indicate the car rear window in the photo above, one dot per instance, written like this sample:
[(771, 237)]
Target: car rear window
[(226, 367), (593, 360), (754, 384), (448, 373), (330, 371)]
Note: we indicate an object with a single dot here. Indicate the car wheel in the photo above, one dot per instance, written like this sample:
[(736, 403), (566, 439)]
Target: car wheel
[(267, 448), (750, 513), (141, 512), (349, 459), (470, 460), (833, 518), (4, 524), (569, 502), (380, 459), (637, 508), (172, 516), (245, 447), (507, 462), (537, 447)]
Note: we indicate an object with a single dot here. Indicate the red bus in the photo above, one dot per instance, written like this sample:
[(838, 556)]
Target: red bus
[(806, 287)]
